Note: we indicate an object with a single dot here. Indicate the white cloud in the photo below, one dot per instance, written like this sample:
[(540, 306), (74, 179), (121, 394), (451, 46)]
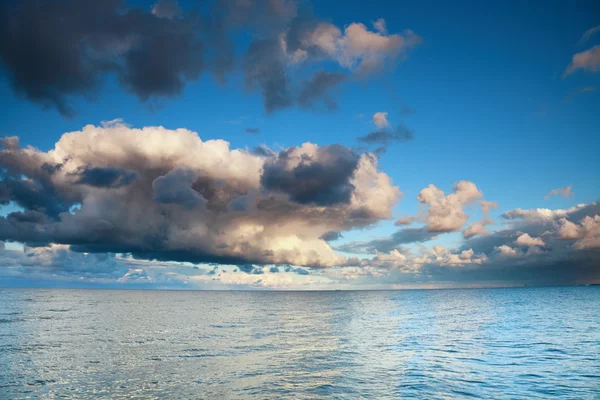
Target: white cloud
[(357, 48), (506, 251), (526, 240), (586, 234), (445, 213), (380, 119)]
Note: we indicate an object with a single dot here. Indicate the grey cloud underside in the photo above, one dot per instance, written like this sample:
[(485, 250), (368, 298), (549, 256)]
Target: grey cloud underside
[(331, 236), (384, 245), (75, 44), (105, 177), (154, 53), (322, 180), (547, 257), (580, 268)]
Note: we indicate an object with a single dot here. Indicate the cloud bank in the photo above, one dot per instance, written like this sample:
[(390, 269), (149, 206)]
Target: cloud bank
[(167, 195), (155, 53)]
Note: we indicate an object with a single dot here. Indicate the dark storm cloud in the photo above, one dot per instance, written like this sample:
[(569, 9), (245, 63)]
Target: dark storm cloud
[(265, 69), (331, 236), (176, 188), (34, 195), (155, 52), (385, 245), (323, 179), (104, 176), (76, 43)]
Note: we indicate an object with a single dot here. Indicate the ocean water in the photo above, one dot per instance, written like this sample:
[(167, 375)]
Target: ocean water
[(481, 343)]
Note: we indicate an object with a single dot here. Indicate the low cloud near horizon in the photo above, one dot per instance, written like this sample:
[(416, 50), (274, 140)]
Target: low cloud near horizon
[(112, 204)]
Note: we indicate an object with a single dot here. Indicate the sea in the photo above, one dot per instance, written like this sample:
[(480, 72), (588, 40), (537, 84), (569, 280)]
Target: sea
[(514, 343)]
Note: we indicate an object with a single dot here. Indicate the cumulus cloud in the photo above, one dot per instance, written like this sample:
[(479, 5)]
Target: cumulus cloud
[(526, 240), (564, 192), (380, 119), (167, 195), (441, 214), (166, 9), (479, 227), (356, 48), (446, 213), (586, 233), (406, 220), (154, 53), (568, 253), (588, 60)]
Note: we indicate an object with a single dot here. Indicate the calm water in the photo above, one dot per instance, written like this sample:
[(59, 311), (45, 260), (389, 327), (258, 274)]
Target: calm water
[(490, 343)]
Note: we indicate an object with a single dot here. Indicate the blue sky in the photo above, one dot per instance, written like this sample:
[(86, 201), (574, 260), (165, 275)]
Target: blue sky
[(484, 95)]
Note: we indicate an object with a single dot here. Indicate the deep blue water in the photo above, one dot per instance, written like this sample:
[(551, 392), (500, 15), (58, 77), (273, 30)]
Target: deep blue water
[(482, 343)]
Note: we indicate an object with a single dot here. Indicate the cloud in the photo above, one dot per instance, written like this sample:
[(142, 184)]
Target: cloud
[(406, 220), (526, 240), (588, 34), (104, 176), (564, 192), (387, 244), (176, 188), (446, 213), (588, 60), (312, 174), (319, 88), (191, 200), (479, 227), (441, 214), (76, 44), (568, 253), (385, 137), (380, 26), (166, 9), (155, 53), (586, 233), (380, 119), (331, 236)]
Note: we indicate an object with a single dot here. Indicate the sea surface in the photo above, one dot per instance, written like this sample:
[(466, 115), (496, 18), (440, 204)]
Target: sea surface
[(476, 343)]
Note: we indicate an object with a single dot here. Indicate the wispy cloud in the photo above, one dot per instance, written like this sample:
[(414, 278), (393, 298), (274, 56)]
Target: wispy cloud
[(565, 192), (588, 34), (588, 60)]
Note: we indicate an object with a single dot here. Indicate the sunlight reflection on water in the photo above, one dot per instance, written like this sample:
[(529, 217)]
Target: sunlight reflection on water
[(492, 343)]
